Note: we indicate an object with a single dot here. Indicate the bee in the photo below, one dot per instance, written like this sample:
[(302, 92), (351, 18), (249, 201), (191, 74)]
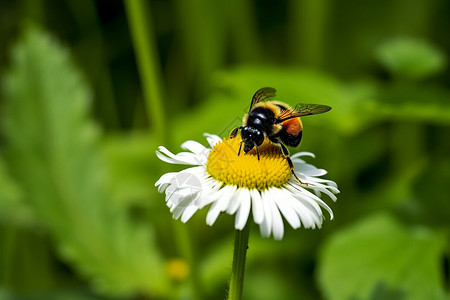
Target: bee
[(276, 121)]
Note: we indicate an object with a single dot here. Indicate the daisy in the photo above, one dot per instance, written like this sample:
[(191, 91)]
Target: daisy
[(243, 184)]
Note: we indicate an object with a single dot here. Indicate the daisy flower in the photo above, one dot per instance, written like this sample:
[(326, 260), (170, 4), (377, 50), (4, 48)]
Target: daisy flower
[(240, 185)]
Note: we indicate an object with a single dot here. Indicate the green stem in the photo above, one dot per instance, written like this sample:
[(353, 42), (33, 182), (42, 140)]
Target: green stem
[(238, 269), (308, 29), (185, 242), (246, 43), (139, 19)]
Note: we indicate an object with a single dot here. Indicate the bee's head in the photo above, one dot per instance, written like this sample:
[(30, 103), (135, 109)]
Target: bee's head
[(251, 137)]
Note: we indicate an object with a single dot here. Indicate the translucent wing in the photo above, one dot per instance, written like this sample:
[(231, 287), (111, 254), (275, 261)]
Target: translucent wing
[(261, 95), (301, 110)]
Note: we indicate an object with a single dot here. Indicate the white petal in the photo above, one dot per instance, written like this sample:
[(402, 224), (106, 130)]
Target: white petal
[(188, 213), (257, 206), (212, 192), (303, 153), (309, 170), (325, 190), (266, 226), (277, 221), (317, 216), (244, 210), (186, 182), (194, 147), (285, 207), (314, 197), (184, 158), (166, 178), (312, 203), (177, 212), (328, 183), (231, 193), (179, 198), (235, 202), (175, 195), (213, 213), (162, 187), (181, 207), (307, 209), (303, 212), (205, 193), (220, 205), (212, 139)]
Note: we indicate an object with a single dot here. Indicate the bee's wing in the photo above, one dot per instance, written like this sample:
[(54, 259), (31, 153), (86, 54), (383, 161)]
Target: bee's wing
[(301, 110), (261, 95)]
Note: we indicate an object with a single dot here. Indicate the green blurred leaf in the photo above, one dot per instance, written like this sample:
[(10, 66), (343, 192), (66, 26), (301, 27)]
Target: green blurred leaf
[(13, 208), (27, 263), (432, 204), (53, 295), (418, 102), (379, 255), (410, 58), (52, 148), (131, 166), (264, 285)]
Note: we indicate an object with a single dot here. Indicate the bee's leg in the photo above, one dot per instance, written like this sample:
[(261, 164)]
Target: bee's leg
[(257, 151), (288, 158), (240, 147), (233, 132)]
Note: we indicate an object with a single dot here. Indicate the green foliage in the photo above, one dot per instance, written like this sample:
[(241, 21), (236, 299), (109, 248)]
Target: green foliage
[(377, 255), (53, 151), (13, 208), (410, 58), (130, 163), (432, 205)]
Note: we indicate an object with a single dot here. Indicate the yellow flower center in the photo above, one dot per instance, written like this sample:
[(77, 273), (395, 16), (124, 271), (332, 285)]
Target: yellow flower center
[(245, 170)]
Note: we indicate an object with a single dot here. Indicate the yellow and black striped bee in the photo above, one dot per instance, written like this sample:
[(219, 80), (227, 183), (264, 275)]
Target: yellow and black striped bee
[(276, 121)]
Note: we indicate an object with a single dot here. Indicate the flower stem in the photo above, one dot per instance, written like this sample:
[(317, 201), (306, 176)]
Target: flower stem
[(139, 19), (238, 269)]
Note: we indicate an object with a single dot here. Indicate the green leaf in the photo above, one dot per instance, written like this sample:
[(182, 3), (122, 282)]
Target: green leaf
[(379, 256), (275, 286), (410, 58), (13, 208), (418, 102), (27, 263), (53, 150), (432, 204), (60, 294), (131, 164)]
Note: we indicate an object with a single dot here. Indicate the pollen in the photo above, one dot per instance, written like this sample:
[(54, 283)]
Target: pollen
[(245, 170)]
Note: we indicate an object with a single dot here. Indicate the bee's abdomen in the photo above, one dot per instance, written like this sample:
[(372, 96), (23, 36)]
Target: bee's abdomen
[(290, 139)]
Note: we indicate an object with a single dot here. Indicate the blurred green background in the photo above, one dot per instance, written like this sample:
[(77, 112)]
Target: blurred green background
[(91, 88)]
